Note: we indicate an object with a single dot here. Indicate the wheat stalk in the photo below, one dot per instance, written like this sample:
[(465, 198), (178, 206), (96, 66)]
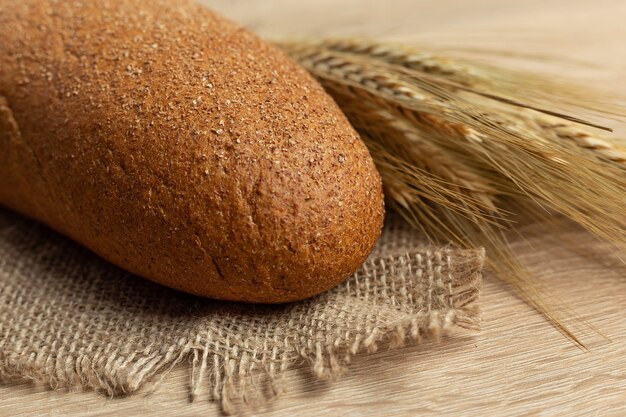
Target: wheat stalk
[(458, 145)]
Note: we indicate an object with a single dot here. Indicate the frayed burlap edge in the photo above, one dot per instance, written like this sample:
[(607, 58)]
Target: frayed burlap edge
[(231, 375), (238, 377)]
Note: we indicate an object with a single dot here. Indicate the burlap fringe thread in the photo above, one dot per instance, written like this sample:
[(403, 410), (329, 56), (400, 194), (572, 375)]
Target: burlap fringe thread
[(72, 320)]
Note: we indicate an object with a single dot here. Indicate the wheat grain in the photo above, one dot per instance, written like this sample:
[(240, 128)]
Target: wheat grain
[(602, 147), (346, 70), (401, 56)]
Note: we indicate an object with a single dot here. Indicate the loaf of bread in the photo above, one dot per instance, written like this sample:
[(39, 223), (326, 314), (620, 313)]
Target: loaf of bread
[(182, 148)]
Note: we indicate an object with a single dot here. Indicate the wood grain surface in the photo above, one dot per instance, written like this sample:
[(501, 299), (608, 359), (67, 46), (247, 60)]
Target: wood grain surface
[(517, 365)]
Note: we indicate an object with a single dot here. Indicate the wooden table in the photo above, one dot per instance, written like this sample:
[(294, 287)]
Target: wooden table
[(517, 365)]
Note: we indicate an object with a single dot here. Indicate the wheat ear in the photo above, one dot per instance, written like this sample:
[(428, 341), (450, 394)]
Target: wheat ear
[(444, 113), (471, 117)]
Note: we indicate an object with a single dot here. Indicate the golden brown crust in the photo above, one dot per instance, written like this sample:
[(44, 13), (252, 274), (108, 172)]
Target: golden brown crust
[(182, 148)]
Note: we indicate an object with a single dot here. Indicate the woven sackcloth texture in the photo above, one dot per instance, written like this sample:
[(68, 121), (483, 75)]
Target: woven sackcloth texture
[(71, 319)]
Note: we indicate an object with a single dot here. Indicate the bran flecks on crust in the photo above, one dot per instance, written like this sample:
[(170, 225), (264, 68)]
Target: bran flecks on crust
[(179, 146)]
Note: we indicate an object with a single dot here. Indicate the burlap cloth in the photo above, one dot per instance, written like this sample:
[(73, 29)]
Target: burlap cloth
[(71, 319)]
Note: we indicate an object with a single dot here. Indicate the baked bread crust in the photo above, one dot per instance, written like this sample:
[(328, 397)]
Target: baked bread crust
[(182, 148)]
